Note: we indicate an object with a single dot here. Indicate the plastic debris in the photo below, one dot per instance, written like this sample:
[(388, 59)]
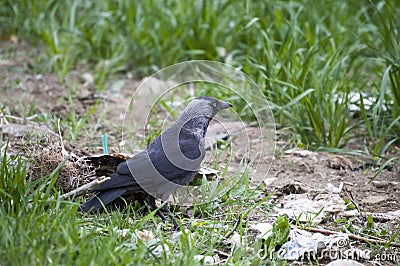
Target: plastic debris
[(302, 242)]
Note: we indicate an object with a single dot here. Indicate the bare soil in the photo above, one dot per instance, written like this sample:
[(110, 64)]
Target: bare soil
[(25, 97)]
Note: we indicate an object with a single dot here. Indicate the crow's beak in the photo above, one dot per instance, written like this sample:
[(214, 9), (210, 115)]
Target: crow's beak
[(225, 105)]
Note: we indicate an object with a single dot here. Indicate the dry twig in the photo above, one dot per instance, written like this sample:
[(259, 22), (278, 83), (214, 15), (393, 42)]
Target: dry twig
[(87, 188)]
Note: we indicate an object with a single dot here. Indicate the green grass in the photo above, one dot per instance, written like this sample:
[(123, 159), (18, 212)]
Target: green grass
[(47, 230), (306, 56)]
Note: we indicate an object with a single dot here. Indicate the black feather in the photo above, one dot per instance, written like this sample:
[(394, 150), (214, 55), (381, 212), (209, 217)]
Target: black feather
[(102, 199)]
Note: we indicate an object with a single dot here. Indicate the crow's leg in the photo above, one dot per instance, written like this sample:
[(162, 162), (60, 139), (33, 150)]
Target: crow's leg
[(165, 208), (152, 203)]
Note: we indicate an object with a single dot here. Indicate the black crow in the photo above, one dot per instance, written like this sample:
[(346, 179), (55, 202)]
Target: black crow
[(171, 160)]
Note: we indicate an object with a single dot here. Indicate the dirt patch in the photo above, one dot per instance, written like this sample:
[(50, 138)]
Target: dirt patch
[(28, 102), (25, 95), (319, 169)]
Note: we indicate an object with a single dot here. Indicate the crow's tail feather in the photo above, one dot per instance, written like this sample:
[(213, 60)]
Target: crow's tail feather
[(102, 199)]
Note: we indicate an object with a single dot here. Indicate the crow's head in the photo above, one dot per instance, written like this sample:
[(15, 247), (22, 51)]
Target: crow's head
[(205, 106)]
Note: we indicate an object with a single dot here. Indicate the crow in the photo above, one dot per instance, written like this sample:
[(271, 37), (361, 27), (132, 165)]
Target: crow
[(171, 160)]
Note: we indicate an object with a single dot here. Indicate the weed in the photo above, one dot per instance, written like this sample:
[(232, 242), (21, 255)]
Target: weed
[(306, 56)]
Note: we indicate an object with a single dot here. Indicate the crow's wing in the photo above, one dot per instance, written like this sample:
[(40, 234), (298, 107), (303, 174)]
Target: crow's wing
[(121, 182), (147, 171), (102, 199), (123, 178), (151, 171)]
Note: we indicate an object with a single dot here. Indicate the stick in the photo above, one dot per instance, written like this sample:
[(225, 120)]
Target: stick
[(85, 188), (219, 252), (351, 236), (63, 150), (21, 118), (234, 227)]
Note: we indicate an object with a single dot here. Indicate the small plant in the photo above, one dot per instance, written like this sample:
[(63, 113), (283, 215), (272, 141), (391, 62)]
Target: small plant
[(278, 236), (307, 62)]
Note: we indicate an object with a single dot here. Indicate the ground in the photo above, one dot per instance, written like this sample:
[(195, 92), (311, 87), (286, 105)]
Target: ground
[(34, 103)]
